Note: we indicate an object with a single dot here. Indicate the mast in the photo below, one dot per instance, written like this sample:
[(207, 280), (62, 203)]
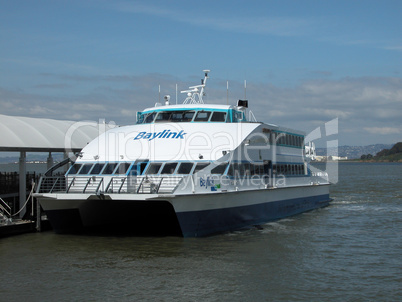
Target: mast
[(196, 91)]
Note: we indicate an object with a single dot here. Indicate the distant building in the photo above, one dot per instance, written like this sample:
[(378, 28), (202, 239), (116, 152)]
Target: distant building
[(331, 158)]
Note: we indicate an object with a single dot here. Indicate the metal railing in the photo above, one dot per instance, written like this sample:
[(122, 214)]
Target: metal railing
[(116, 184), (5, 210)]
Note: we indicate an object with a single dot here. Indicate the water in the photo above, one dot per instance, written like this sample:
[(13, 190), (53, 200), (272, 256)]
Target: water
[(30, 167), (349, 251)]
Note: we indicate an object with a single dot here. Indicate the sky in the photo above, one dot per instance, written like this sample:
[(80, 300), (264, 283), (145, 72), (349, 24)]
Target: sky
[(306, 63)]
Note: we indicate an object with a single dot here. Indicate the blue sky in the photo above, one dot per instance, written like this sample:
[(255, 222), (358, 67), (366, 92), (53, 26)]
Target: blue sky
[(305, 62)]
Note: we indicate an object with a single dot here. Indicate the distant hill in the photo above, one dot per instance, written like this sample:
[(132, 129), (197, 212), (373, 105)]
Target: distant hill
[(393, 154), (353, 152)]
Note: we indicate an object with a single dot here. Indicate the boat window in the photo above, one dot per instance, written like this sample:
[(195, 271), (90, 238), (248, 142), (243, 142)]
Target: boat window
[(109, 168), (219, 169), (185, 168), (252, 169), (150, 117), (230, 170), (247, 171), (188, 116), (236, 168), (169, 168), (154, 168), (281, 139), (238, 116), (218, 116), (256, 169), (85, 169), (123, 167), (162, 117), (97, 168), (142, 167), (140, 118), (137, 168), (241, 169), (174, 116), (202, 116), (200, 166), (181, 116), (74, 168)]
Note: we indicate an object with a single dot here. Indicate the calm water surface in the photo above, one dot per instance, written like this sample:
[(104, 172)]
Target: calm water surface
[(349, 251)]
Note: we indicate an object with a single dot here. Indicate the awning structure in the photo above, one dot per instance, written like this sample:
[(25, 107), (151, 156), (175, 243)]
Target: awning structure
[(46, 135), (26, 134)]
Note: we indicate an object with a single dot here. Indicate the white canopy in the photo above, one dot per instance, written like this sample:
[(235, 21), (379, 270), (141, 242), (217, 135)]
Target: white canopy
[(46, 135)]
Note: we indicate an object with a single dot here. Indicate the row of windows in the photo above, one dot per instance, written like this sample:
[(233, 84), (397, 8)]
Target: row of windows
[(137, 169), (175, 168), (99, 168), (181, 116), (145, 168), (249, 169), (288, 139), (289, 169)]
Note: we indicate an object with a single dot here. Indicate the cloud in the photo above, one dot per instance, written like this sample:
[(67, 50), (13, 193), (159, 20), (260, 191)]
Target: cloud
[(280, 26), (395, 47), (326, 28), (383, 130)]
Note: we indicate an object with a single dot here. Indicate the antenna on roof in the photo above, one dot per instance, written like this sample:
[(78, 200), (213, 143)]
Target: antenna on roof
[(194, 91), (245, 89), (227, 92)]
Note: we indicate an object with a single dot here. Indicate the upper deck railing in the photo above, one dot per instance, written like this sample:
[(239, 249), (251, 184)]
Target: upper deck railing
[(116, 185)]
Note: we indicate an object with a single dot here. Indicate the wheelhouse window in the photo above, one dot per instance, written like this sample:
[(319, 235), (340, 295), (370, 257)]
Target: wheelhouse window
[(150, 117), (175, 116), (218, 116), (169, 168), (202, 116), (109, 168), (237, 116), (154, 168), (185, 168)]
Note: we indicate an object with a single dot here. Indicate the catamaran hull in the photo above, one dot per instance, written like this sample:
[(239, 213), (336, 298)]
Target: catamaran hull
[(193, 215)]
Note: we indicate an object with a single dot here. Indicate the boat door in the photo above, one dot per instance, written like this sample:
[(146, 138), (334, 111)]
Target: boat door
[(267, 172), (138, 167)]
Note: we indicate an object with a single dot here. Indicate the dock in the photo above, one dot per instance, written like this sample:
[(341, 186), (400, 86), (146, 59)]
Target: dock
[(11, 227)]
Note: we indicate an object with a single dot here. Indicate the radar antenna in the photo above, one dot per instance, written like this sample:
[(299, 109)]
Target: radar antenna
[(196, 93)]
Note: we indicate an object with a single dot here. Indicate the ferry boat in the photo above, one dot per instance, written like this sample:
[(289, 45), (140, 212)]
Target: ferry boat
[(190, 170)]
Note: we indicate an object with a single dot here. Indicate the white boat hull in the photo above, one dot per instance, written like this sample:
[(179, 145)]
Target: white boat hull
[(191, 215)]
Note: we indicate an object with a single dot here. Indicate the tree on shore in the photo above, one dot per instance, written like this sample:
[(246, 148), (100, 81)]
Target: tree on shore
[(366, 157)]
